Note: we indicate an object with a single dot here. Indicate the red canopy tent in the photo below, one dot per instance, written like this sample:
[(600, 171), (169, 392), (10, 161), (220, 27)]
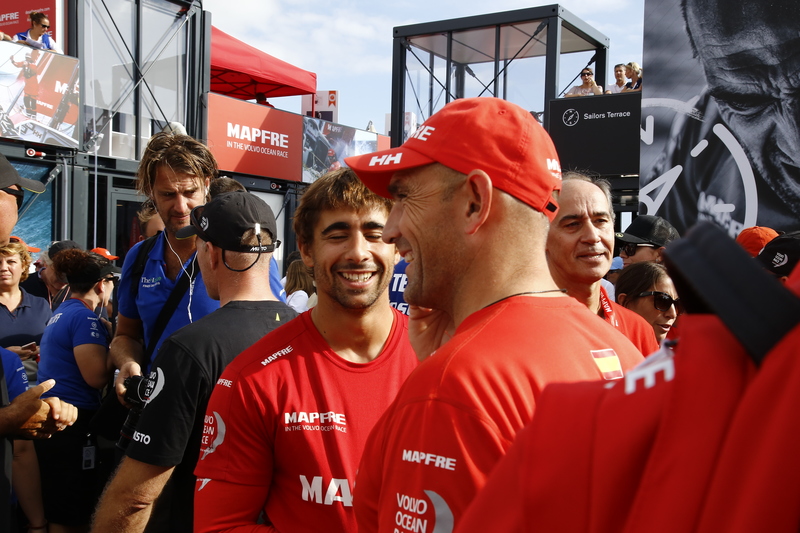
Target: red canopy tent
[(241, 71)]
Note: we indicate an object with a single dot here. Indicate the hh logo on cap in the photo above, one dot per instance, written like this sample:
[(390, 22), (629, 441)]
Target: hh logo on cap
[(385, 159), (204, 223)]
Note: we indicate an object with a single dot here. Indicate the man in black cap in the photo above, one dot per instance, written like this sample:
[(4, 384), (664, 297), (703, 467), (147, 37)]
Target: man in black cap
[(26, 416), (780, 255), (236, 237), (645, 239)]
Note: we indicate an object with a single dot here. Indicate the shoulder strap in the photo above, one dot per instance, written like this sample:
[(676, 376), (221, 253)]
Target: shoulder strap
[(138, 266), (169, 307), (752, 304)]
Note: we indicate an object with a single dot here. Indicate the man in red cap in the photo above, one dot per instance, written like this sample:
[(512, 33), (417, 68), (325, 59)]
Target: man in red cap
[(105, 253), (475, 189)]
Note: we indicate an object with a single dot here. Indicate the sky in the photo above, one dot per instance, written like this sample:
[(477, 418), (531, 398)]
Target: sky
[(348, 43)]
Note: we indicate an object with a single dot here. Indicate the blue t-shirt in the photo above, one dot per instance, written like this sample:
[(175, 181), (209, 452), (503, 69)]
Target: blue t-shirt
[(26, 323), (154, 290), (72, 325), (275, 280), (14, 373), (397, 287)]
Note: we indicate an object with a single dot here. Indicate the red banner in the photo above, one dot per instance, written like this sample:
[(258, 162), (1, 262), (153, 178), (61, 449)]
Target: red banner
[(254, 139), (16, 20)]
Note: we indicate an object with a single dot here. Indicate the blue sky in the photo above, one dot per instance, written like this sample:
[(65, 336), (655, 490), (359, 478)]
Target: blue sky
[(349, 43)]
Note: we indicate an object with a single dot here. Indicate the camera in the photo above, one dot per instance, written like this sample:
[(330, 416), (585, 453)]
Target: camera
[(136, 394), (136, 390)]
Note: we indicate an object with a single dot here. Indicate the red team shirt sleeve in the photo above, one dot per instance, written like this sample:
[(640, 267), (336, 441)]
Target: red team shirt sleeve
[(234, 470)]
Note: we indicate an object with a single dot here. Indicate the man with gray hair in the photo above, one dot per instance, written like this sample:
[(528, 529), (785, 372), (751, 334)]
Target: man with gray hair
[(580, 247)]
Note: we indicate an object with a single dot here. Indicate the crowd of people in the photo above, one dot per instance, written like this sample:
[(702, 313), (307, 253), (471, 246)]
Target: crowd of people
[(182, 393), (588, 87)]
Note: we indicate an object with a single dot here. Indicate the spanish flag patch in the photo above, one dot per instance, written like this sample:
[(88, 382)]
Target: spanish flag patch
[(608, 363)]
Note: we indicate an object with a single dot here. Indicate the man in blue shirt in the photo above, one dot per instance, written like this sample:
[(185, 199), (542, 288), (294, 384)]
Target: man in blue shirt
[(175, 173)]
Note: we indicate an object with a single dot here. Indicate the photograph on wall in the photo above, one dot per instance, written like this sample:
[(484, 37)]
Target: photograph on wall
[(327, 144), (39, 95), (720, 113)]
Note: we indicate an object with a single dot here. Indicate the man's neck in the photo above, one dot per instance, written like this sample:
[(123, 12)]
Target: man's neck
[(586, 293), (245, 289), (356, 335)]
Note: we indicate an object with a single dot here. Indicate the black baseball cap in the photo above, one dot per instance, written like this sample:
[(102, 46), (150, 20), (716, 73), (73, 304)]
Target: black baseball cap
[(95, 271), (9, 176), (649, 229), (780, 255), (60, 246), (224, 220)]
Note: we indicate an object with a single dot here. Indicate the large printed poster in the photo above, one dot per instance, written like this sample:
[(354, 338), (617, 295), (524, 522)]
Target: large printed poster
[(721, 113), (39, 95), (254, 139)]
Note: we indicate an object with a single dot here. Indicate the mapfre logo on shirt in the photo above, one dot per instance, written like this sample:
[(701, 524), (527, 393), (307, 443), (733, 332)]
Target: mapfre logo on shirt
[(314, 421)]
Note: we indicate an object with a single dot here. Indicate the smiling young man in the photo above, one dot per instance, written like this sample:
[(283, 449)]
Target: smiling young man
[(579, 253), (475, 189), (287, 421)]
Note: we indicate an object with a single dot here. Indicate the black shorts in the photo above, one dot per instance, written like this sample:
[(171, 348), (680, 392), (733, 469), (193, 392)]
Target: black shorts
[(69, 491)]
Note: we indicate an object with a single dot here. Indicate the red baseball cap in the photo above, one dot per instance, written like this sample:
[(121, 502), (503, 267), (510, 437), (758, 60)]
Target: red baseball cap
[(105, 253), (754, 239), (31, 249), (489, 134)]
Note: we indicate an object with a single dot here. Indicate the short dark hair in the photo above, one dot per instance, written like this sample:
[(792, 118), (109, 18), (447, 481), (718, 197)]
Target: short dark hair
[(638, 278), (339, 189), (601, 183), (224, 184), (74, 263)]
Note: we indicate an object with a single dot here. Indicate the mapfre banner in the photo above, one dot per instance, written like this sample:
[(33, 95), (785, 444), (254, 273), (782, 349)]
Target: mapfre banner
[(14, 16), (255, 139)]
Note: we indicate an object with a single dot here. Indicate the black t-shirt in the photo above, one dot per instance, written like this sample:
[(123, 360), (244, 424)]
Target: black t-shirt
[(182, 377)]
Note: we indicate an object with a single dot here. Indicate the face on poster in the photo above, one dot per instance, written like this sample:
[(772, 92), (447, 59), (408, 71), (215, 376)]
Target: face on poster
[(720, 114)]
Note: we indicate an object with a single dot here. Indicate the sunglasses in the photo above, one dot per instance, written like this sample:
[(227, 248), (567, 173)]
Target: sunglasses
[(45, 26), (630, 249), (586, 74), (663, 301), (19, 193)]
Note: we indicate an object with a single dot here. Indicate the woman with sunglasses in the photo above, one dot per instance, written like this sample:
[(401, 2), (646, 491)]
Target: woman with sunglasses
[(37, 35), (647, 289), (74, 352), (588, 86)]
